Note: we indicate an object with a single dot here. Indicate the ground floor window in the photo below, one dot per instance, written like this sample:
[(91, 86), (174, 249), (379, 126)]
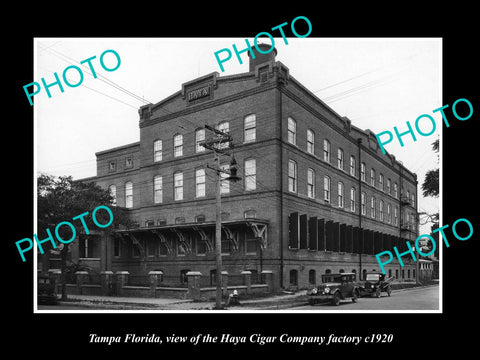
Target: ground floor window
[(312, 277), (183, 276), (293, 277)]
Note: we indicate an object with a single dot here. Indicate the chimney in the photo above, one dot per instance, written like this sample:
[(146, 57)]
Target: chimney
[(261, 58)]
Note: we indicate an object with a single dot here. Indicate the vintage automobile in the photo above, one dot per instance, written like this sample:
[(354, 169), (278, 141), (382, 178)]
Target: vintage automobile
[(375, 284), (46, 290), (334, 288)]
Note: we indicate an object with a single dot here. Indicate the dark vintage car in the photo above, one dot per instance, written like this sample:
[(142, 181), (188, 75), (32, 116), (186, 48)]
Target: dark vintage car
[(46, 290), (375, 284), (334, 288)]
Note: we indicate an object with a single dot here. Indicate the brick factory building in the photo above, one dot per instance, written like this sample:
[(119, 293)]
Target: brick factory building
[(316, 194)]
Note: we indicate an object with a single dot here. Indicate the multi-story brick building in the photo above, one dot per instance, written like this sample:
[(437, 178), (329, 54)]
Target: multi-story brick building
[(316, 194)]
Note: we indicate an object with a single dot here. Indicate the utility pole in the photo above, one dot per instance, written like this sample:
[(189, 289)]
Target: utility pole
[(215, 145)]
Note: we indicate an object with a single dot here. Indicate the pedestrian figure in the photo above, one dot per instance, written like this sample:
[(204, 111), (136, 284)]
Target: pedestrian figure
[(233, 299)]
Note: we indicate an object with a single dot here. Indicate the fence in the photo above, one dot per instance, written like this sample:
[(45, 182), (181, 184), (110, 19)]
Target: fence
[(192, 285)]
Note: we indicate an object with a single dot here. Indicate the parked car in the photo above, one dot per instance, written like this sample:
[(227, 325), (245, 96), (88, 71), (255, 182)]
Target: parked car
[(334, 288), (46, 290), (375, 284)]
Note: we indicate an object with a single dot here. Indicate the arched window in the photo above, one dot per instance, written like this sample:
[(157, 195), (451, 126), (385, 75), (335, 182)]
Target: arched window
[(199, 137), (292, 131), (341, 194), (250, 214), (311, 183), (372, 212), (326, 189), (326, 150), (128, 195), (224, 126), (113, 193), (352, 165), (353, 198), (310, 141), (157, 189), (157, 150), (178, 185), (292, 176), (249, 123), (340, 159), (178, 145)]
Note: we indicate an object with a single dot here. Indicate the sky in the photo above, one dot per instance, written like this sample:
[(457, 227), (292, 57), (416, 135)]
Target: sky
[(378, 83)]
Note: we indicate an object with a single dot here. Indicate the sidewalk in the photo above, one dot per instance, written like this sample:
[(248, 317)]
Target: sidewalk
[(135, 303)]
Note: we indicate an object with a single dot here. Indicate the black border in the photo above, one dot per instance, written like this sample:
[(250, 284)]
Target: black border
[(414, 334)]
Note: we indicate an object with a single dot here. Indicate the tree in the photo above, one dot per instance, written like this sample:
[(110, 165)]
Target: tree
[(61, 199), (430, 186)]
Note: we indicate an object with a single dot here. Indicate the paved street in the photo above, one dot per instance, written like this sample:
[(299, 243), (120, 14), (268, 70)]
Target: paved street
[(412, 299)]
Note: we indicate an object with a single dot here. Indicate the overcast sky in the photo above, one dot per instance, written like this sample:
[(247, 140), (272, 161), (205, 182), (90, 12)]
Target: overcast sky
[(378, 83)]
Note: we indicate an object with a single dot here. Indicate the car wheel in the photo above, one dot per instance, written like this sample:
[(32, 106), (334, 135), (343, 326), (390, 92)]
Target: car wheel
[(378, 292), (389, 290), (355, 296), (336, 299)]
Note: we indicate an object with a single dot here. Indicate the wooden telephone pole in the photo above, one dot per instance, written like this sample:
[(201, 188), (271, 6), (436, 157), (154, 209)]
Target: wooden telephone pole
[(216, 145)]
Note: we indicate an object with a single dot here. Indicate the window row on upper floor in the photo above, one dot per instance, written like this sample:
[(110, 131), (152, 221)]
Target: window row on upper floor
[(200, 178), (374, 181), (379, 209), (249, 135)]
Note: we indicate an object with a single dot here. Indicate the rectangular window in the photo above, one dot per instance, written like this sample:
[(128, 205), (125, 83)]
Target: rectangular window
[(251, 242), (311, 183), (178, 185), (395, 216), (372, 210), (395, 190), (224, 184), (250, 123), (310, 141), (292, 131), (250, 174), (362, 171), (326, 150), (352, 165), (201, 246), (128, 195), (389, 186), (292, 176), (128, 162), (116, 247), (178, 145), (380, 209), (112, 165), (340, 159), (200, 183), (326, 188), (151, 248), (380, 182), (157, 150), (372, 177), (389, 213), (158, 189), (199, 137)]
